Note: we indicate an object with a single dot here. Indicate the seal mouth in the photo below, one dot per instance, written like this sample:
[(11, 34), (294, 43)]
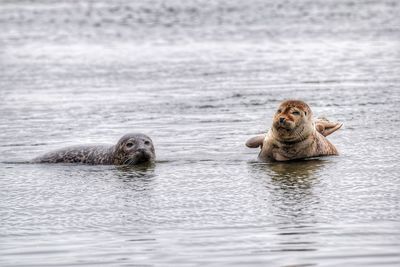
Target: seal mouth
[(297, 134), (137, 158), (280, 127), (143, 157), (287, 127)]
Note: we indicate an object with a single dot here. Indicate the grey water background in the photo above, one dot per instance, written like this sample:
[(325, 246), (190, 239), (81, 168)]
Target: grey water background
[(200, 77)]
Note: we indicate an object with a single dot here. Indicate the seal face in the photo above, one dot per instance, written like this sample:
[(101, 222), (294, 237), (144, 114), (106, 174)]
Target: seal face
[(295, 135), (292, 121), (131, 149)]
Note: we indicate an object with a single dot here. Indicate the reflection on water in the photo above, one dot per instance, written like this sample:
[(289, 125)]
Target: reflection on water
[(290, 187), (200, 78), (135, 171), (299, 173), (138, 178)]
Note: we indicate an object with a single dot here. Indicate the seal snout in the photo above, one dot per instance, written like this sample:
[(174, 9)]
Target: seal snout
[(141, 150), (142, 155), (284, 122)]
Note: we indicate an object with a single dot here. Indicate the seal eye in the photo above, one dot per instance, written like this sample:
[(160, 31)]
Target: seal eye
[(296, 113), (146, 142), (130, 144), (278, 111)]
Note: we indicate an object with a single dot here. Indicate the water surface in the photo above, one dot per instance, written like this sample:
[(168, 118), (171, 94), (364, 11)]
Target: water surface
[(200, 78)]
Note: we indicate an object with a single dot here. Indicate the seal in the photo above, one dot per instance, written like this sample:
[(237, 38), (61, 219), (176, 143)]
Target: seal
[(295, 134), (131, 149)]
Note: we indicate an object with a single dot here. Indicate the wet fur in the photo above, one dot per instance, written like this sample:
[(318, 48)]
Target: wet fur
[(297, 137), (117, 154)]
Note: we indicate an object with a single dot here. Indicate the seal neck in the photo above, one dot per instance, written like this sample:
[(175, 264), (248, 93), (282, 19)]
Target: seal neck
[(298, 137), (113, 154)]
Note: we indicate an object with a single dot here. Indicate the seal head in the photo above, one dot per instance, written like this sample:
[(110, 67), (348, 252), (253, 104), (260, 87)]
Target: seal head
[(134, 148), (292, 121)]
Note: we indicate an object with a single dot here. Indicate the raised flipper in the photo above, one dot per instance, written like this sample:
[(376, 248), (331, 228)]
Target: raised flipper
[(326, 127), (256, 141)]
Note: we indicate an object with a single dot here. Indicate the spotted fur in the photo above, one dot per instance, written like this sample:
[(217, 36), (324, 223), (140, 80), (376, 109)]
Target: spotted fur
[(295, 134), (141, 149)]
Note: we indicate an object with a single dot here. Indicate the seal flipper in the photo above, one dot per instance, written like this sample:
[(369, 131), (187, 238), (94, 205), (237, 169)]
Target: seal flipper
[(256, 141), (326, 127)]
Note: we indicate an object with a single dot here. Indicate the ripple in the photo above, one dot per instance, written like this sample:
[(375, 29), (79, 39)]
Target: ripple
[(200, 80)]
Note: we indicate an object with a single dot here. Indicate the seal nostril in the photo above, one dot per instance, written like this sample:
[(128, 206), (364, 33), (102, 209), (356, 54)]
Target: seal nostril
[(281, 120), (141, 150)]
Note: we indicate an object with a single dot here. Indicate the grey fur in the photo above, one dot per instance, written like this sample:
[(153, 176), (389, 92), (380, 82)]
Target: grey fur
[(131, 149)]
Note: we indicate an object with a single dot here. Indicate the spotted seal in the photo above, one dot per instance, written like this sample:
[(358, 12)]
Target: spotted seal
[(295, 135), (131, 149)]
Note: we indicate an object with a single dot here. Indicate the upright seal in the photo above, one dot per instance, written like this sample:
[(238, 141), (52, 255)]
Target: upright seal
[(295, 135), (131, 149)]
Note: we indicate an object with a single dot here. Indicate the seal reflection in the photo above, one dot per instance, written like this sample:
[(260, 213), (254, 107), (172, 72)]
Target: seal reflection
[(290, 188), (296, 174), (293, 173), (293, 204), (129, 173)]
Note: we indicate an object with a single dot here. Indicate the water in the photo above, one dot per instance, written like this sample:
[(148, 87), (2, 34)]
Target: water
[(200, 78)]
